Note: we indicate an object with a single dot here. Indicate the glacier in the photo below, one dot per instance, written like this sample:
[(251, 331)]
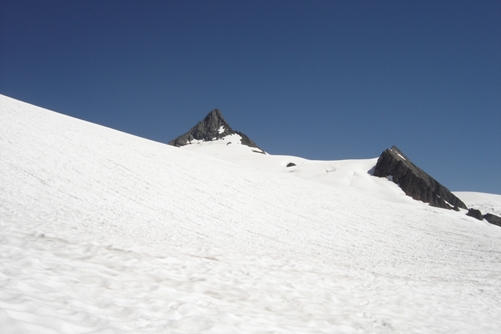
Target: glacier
[(105, 232)]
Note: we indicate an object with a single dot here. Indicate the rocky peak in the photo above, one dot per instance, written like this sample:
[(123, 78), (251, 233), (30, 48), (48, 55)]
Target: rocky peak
[(414, 181), (212, 127)]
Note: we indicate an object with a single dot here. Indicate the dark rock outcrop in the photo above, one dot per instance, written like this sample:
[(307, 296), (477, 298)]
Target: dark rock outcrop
[(291, 164), (212, 127), (414, 181), (493, 219), (475, 214), (246, 140)]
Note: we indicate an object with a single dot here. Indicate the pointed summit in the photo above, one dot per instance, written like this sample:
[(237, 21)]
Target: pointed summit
[(212, 127)]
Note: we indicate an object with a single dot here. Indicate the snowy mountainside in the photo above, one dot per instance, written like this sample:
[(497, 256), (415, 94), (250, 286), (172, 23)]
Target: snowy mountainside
[(105, 232)]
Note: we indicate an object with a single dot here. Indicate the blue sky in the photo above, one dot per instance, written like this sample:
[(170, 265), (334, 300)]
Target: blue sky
[(322, 80)]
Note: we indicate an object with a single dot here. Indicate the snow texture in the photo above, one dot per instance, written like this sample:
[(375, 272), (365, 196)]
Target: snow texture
[(486, 203), (104, 232)]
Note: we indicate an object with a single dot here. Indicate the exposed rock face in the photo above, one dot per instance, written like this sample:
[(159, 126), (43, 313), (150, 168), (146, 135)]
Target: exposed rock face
[(212, 127), (493, 219), (414, 181), (475, 214), (246, 140)]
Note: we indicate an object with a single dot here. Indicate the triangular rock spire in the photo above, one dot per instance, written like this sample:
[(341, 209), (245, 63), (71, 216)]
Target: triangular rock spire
[(212, 127), (414, 181)]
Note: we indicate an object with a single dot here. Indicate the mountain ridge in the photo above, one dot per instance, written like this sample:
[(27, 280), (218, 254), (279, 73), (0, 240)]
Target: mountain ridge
[(212, 127), (414, 181), (391, 164)]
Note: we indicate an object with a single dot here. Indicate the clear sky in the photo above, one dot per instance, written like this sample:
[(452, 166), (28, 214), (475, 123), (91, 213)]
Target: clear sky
[(322, 80)]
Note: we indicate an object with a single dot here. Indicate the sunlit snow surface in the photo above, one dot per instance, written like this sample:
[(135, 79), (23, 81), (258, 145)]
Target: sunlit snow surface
[(104, 232), (486, 203)]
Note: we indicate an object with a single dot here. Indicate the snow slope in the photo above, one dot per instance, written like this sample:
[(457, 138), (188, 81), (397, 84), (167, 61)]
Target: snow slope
[(104, 232), (486, 203), (338, 173)]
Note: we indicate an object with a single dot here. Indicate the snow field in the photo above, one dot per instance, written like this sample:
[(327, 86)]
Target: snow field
[(104, 232), (486, 203)]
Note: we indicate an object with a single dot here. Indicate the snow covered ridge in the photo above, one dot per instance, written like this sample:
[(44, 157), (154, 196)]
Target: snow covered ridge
[(415, 182), (213, 133), (105, 232)]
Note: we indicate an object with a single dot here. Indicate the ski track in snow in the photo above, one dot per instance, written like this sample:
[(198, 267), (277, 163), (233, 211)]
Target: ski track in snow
[(104, 232)]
